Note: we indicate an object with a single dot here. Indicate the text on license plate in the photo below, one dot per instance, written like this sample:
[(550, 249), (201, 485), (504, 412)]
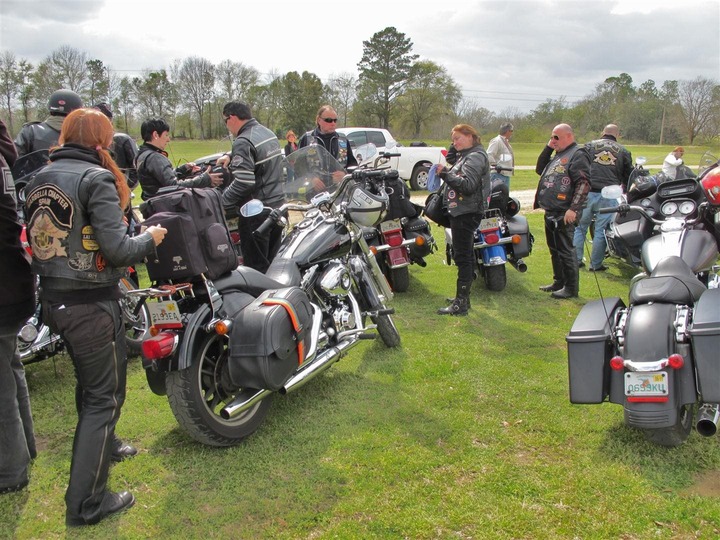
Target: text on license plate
[(489, 223), (164, 314), (392, 225), (646, 384)]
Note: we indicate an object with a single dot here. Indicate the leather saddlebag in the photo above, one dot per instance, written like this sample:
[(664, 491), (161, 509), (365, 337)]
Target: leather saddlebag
[(270, 338)]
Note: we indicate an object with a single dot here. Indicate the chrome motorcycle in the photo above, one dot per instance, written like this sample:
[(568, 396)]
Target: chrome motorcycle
[(223, 348)]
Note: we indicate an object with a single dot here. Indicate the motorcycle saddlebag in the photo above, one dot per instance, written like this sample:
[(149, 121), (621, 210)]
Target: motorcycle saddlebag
[(705, 337), (269, 339), (590, 348), (415, 227), (178, 256), (519, 225)]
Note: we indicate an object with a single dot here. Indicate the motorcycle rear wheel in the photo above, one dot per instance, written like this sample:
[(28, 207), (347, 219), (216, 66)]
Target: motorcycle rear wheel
[(198, 393), (400, 279), (495, 277), (677, 434), (136, 317)]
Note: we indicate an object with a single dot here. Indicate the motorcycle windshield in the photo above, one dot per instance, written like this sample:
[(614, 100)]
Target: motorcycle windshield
[(28, 164), (311, 170)]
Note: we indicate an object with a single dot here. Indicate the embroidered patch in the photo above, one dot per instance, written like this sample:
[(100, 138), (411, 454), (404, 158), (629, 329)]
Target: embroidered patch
[(88, 239), (51, 218), (236, 161), (81, 262), (100, 262), (605, 158)]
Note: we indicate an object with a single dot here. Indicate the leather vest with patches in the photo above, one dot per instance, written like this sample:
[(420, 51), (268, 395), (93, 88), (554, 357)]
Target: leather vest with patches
[(556, 188)]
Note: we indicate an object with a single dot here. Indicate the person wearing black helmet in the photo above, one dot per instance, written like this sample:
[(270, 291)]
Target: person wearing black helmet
[(44, 135), (124, 149)]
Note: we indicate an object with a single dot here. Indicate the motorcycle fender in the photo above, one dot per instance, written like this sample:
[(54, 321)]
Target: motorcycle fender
[(195, 328), (398, 257), (493, 255)]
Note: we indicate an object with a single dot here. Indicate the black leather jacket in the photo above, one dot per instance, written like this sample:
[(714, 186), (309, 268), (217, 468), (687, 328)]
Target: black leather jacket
[(124, 150), (256, 167), (39, 135), (155, 171), (335, 143), (467, 183), (564, 183), (611, 163), (75, 224)]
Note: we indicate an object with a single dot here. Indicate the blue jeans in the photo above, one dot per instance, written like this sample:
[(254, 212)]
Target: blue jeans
[(595, 201), (497, 176), (17, 441)]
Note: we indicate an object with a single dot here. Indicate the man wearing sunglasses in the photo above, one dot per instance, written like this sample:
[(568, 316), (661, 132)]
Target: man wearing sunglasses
[(562, 190), (335, 143)]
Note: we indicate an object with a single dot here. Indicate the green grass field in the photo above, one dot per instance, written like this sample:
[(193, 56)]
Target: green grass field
[(463, 432)]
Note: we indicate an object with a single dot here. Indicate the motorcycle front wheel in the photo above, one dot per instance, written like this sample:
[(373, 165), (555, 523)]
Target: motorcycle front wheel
[(674, 435), (198, 393)]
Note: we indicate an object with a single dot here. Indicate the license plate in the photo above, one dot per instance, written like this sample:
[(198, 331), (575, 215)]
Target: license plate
[(489, 223), (392, 225), (639, 384), (164, 314)]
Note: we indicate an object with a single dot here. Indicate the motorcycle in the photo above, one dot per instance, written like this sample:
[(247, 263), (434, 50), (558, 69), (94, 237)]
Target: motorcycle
[(403, 237), (36, 341), (657, 356), (502, 237), (224, 347)]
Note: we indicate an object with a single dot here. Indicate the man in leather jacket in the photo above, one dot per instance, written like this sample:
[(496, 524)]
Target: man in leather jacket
[(256, 167), (44, 135), (17, 303), (611, 165), (154, 168), (561, 192)]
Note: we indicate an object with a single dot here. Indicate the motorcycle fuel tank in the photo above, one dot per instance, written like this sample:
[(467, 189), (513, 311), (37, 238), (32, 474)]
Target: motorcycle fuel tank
[(696, 247), (312, 242)]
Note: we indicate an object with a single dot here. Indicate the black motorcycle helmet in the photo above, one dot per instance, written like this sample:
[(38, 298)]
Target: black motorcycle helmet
[(63, 102)]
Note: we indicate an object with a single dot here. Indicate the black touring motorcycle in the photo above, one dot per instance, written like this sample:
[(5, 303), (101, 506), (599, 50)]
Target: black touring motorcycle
[(228, 338)]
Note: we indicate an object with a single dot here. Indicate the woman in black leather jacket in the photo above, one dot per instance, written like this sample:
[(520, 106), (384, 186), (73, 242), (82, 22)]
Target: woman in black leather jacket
[(465, 194), (75, 209)]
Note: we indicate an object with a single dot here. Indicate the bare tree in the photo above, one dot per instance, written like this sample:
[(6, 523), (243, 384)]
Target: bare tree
[(343, 91), (196, 82), (697, 100), (9, 82), (234, 79)]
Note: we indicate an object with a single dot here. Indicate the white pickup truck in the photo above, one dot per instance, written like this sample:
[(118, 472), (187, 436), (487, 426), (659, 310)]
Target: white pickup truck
[(414, 161)]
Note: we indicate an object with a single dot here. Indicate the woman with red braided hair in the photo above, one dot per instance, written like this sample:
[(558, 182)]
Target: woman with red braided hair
[(75, 207)]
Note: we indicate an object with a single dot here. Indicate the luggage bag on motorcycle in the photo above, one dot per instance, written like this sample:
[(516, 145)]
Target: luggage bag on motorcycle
[(705, 337), (415, 227), (519, 225), (270, 338), (590, 348), (198, 241)]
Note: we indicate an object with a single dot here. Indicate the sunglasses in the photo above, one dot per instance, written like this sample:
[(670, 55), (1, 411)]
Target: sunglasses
[(226, 118), (556, 138), (329, 120)]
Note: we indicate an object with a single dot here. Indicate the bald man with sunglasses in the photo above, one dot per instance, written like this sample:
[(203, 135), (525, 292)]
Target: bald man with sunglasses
[(562, 190)]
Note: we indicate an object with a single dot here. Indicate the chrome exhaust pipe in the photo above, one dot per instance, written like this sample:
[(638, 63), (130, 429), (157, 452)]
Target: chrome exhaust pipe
[(321, 363), (242, 403), (519, 265), (708, 418)]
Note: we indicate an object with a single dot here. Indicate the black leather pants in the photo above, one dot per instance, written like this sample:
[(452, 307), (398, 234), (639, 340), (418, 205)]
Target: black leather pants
[(559, 238), (95, 337)]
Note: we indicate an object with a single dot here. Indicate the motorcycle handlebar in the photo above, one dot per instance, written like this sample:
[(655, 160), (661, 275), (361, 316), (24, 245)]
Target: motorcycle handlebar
[(384, 174), (267, 225)]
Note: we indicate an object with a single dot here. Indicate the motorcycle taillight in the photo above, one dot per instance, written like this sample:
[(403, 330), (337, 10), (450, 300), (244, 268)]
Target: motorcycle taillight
[(159, 346)]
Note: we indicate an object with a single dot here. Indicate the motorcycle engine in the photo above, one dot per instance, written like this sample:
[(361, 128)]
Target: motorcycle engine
[(335, 280)]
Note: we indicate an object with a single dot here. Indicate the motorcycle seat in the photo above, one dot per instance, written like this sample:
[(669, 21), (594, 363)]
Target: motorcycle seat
[(246, 279), (284, 271), (672, 281)]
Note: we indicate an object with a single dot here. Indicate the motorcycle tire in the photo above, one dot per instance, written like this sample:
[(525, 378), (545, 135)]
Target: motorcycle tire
[(677, 434), (136, 316), (400, 279), (495, 277), (198, 393)]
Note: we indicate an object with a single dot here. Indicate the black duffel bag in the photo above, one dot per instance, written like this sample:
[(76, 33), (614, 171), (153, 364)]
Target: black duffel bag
[(435, 211)]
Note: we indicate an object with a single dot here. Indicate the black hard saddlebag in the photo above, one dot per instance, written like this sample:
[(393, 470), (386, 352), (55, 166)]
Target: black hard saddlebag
[(415, 227), (197, 242), (519, 225), (705, 336), (270, 338), (590, 348)]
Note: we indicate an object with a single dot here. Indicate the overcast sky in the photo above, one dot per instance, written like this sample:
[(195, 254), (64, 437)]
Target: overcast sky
[(502, 53)]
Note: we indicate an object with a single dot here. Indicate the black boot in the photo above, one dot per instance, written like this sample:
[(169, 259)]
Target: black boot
[(461, 303), (554, 286)]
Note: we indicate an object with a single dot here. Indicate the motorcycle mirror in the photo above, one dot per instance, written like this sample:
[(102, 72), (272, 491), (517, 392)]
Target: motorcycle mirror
[(252, 208), (611, 192), (640, 161)]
